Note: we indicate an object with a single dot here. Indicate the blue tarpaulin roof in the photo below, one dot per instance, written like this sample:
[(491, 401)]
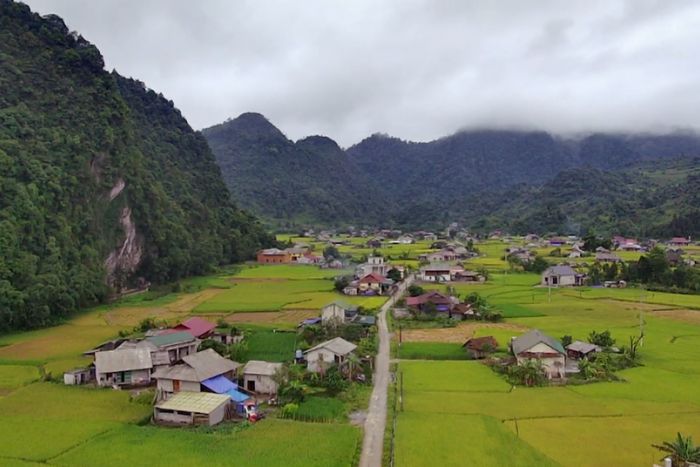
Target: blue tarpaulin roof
[(219, 384), (237, 396)]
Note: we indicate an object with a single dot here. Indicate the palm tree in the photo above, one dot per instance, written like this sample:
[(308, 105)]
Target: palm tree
[(353, 362), (681, 450)]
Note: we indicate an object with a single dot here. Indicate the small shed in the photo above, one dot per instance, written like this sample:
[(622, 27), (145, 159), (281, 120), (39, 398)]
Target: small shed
[(258, 376), (193, 408), (479, 347), (79, 376), (580, 349)]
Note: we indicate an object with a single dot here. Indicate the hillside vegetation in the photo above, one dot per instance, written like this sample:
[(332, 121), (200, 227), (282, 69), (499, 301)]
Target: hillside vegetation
[(103, 181)]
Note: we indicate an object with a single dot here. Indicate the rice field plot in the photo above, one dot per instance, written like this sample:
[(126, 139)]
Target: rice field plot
[(621, 419), (319, 409), (14, 376), (432, 351), (264, 295), (287, 271), (638, 295), (42, 420), (271, 346), (454, 440), (271, 442)]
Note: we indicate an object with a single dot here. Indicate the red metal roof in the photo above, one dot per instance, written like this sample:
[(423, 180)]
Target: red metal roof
[(198, 327), (372, 278), (434, 297)]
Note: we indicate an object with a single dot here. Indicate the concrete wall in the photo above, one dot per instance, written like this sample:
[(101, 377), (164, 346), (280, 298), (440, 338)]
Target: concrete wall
[(263, 384), (172, 417), (332, 312), (166, 385), (319, 359)]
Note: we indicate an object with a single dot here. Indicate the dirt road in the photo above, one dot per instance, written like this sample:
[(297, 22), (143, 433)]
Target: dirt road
[(373, 442)]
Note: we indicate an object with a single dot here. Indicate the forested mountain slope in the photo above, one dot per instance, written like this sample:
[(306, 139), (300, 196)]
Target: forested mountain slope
[(516, 178), (102, 181), (292, 183)]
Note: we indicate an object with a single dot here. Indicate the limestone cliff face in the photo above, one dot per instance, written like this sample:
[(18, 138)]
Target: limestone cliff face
[(124, 261)]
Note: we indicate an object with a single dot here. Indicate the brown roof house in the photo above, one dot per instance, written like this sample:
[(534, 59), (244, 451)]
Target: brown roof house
[(480, 347)]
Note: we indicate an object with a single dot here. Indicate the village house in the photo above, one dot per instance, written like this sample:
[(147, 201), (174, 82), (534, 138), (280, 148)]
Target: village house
[(674, 256), (166, 348), (576, 252), (193, 372), (273, 256), (539, 346), (467, 276), (193, 408), (442, 302), (374, 284), (462, 311), (440, 272), (198, 327), (602, 257), (679, 241), (443, 255), (337, 313), (123, 367), (259, 377), (561, 276), (403, 240), (579, 349), (480, 347), (374, 265), (557, 241), (334, 351)]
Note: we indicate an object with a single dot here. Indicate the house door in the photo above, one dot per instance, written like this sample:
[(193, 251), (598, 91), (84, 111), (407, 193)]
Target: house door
[(250, 385), (176, 385)]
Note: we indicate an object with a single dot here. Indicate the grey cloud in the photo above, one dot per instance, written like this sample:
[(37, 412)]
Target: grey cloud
[(416, 69)]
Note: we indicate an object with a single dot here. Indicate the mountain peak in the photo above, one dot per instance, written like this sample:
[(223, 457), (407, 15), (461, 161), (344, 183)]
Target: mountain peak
[(249, 124), (318, 144)]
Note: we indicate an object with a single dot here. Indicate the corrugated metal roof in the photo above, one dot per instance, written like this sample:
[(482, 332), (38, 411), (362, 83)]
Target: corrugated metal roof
[(560, 270), (112, 361), (197, 402), (258, 367), (169, 339), (583, 347), (198, 367), (532, 338), (337, 345)]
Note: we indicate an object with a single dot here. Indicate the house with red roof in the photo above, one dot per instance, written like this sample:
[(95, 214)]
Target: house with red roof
[(442, 302), (374, 283), (679, 241), (198, 327)]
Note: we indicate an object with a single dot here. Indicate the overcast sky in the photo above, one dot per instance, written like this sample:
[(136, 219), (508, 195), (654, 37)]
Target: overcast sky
[(414, 69)]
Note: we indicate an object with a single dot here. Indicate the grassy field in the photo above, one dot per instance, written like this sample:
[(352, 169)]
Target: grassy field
[(271, 442), (271, 346), (534, 426), (432, 351)]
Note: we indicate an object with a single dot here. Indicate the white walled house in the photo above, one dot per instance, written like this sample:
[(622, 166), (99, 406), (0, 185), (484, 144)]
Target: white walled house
[(337, 313), (561, 276), (325, 354), (123, 367), (535, 345), (259, 377), (193, 408)]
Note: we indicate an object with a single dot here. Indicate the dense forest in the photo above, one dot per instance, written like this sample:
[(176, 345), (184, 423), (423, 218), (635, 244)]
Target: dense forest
[(523, 181), (103, 183)]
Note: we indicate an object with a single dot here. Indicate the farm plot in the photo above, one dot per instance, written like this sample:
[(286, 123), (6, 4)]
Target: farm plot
[(272, 442), (621, 419)]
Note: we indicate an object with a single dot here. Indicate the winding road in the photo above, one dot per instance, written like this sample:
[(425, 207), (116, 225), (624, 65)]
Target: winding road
[(375, 423)]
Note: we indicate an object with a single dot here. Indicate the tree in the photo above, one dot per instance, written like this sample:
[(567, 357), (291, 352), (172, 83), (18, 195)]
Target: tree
[(331, 252), (681, 450), (217, 346), (602, 339), (341, 282), (333, 381), (394, 274), (566, 340), (529, 373), (415, 290)]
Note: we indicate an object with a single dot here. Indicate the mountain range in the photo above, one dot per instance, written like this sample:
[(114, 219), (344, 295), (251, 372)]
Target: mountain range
[(518, 180)]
